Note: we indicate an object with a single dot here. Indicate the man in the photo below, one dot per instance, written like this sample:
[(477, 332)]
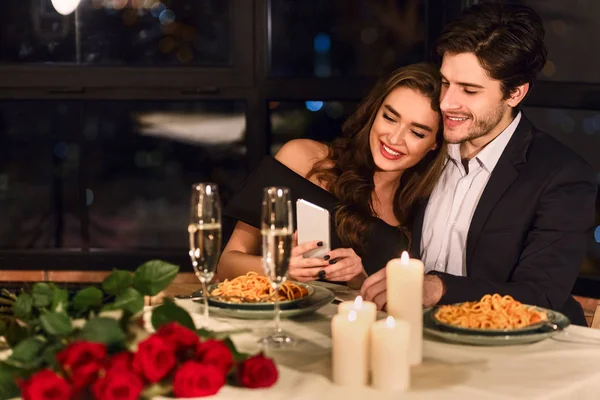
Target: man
[(513, 209)]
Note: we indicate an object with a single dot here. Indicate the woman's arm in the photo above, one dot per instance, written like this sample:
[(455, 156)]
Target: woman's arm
[(241, 254)]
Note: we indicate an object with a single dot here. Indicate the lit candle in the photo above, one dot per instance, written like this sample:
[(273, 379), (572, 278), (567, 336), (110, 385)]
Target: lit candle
[(389, 355), (350, 350), (365, 310), (405, 299)]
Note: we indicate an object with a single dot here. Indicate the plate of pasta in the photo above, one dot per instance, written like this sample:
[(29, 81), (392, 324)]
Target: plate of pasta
[(494, 320), (491, 314), (253, 291)]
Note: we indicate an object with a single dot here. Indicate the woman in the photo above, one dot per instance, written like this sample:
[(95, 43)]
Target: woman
[(388, 159)]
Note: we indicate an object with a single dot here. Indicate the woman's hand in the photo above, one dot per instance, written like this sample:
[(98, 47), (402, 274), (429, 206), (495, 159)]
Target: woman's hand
[(305, 269), (343, 265)]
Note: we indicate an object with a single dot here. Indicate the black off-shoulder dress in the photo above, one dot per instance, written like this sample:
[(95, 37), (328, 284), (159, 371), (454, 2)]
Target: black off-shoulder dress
[(382, 242)]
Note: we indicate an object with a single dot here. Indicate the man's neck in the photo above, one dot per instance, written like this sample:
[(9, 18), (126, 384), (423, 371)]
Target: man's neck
[(470, 148)]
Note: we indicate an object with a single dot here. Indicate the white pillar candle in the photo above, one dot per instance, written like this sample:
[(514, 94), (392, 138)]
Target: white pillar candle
[(350, 350), (365, 310), (405, 300), (390, 366)]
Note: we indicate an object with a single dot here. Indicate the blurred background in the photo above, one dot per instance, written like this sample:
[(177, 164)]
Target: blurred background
[(110, 109)]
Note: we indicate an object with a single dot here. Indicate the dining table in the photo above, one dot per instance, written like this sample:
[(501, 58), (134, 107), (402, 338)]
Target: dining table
[(565, 366)]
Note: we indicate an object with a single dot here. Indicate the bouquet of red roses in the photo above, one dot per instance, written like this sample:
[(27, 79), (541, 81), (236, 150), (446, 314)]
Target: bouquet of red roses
[(105, 358), (173, 359)]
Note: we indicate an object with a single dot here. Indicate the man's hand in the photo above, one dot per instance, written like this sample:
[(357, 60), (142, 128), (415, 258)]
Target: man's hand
[(433, 290), (374, 289)]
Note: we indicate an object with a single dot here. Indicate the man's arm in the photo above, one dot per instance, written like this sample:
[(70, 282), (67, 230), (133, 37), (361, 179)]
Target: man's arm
[(554, 248)]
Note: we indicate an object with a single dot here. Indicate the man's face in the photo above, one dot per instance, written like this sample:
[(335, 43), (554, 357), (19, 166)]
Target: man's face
[(472, 103)]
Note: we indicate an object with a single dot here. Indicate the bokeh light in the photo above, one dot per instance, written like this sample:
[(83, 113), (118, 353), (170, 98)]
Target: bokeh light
[(314, 105)]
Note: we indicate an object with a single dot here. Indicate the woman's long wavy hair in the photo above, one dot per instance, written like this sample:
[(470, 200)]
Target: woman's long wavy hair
[(347, 172)]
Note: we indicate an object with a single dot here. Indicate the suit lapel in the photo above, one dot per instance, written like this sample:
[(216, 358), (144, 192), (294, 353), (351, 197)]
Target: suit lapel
[(503, 175)]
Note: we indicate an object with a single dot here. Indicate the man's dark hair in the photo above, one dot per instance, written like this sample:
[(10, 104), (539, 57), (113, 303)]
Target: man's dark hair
[(507, 38)]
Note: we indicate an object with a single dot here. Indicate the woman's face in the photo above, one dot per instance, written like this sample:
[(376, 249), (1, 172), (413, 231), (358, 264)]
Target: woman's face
[(404, 130)]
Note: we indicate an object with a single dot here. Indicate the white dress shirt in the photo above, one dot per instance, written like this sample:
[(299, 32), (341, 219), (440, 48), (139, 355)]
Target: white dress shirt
[(453, 203)]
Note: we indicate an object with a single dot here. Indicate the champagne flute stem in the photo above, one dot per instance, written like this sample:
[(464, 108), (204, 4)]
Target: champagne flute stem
[(277, 316), (205, 297)]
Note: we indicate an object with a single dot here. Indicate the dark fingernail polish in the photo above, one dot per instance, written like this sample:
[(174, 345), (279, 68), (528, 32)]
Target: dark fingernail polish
[(333, 261), (319, 244), (322, 274), (327, 257)]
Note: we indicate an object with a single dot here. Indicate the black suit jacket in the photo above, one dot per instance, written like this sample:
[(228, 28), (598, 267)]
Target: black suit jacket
[(529, 232)]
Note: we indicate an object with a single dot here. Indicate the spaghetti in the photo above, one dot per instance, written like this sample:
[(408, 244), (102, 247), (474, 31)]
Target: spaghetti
[(491, 312), (255, 288)]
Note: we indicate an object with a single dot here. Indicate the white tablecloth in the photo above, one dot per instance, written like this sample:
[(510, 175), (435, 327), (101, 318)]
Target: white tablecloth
[(550, 369)]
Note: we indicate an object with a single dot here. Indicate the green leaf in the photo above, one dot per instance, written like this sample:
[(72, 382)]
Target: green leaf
[(154, 276), (130, 300), (8, 385), (60, 299), (171, 312), (102, 330), (56, 323), (48, 355), (87, 298), (3, 327), (8, 294), (23, 305), (27, 350), (15, 333), (117, 282), (42, 294)]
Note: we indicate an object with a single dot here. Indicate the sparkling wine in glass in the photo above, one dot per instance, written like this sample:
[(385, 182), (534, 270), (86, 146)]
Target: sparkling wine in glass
[(205, 234), (276, 231)]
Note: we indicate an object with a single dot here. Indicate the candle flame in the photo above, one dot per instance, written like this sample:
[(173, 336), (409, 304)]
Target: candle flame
[(404, 258), (390, 322), (352, 316), (358, 302)]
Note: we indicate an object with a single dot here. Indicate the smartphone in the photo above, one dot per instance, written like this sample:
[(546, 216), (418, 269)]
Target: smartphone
[(313, 224)]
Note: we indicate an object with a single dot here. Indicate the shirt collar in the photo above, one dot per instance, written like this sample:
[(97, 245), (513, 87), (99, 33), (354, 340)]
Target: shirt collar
[(489, 156), (491, 153)]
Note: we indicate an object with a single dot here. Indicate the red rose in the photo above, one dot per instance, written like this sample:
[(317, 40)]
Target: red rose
[(81, 362), (45, 385), (84, 375), (154, 359), (178, 335), (122, 360), (257, 372), (80, 353), (215, 352), (118, 384), (194, 379), (181, 338)]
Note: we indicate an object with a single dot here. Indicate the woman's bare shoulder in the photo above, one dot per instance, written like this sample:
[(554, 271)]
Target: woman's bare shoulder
[(300, 155)]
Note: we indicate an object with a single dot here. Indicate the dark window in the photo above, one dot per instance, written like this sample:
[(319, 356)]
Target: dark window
[(571, 32), (317, 120), (121, 171), (119, 32), (315, 38)]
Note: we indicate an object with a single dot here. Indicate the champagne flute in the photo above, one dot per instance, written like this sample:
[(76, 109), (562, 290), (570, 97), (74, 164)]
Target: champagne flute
[(276, 230), (205, 234)]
